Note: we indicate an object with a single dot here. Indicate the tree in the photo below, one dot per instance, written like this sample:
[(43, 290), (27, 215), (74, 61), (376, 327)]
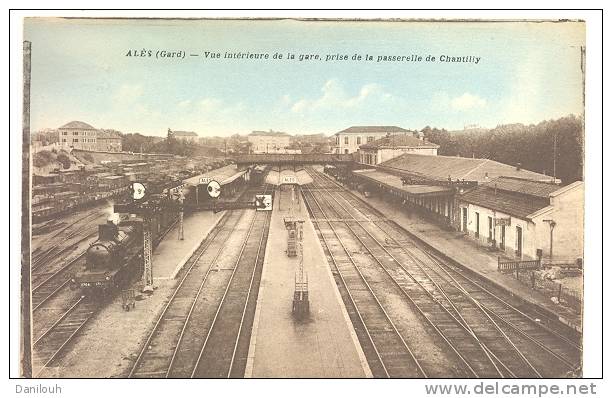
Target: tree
[(64, 160), (533, 146)]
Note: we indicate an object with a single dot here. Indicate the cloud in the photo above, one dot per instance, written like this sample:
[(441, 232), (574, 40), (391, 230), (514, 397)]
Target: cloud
[(128, 94), (467, 102), (334, 96), (210, 105)]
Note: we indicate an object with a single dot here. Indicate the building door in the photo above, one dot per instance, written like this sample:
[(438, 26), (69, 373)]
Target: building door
[(464, 219), (477, 224), (490, 229), (502, 244), (519, 242)]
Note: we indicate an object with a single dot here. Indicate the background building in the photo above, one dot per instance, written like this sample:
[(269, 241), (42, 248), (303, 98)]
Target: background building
[(350, 139), (188, 136), (269, 141), (392, 146), (78, 135), (108, 140)]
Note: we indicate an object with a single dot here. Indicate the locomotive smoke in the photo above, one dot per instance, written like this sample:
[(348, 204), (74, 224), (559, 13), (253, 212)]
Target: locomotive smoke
[(114, 217)]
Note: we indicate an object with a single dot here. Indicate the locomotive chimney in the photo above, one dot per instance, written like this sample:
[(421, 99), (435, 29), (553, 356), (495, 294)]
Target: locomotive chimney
[(107, 231)]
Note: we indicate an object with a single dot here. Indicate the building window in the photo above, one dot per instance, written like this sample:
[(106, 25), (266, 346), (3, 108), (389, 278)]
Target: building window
[(477, 224), (346, 140), (63, 140), (346, 151), (64, 133), (370, 139), (75, 140), (75, 133), (358, 140)]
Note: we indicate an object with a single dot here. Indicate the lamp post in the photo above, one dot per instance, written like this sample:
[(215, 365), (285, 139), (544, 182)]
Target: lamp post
[(551, 224)]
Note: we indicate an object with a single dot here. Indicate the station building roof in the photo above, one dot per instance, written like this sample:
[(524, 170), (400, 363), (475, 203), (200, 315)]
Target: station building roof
[(471, 169), (520, 185), (511, 203), (516, 197)]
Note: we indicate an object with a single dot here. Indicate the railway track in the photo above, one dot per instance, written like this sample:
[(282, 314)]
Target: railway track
[(516, 344), (51, 344), (393, 356), (200, 335), (499, 304), (47, 285)]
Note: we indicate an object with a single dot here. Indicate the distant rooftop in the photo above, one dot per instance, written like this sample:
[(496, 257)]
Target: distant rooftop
[(75, 124), (269, 133), (184, 134), (470, 169), (399, 140), (108, 134), (373, 129)]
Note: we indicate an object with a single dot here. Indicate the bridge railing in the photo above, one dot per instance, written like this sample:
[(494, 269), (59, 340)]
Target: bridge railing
[(312, 158)]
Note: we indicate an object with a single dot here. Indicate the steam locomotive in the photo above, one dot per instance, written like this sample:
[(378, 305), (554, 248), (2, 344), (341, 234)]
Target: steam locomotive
[(110, 260)]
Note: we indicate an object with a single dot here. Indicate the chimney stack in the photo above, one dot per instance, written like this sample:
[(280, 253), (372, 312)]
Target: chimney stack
[(518, 166)]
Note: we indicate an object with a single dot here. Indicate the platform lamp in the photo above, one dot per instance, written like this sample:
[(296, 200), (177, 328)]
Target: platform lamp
[(551, 224)]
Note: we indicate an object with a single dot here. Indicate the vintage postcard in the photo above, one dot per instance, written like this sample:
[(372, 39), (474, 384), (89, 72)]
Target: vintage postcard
[(303, 198)]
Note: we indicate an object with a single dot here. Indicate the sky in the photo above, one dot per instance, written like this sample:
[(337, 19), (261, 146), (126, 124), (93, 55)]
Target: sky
[(83, 70)]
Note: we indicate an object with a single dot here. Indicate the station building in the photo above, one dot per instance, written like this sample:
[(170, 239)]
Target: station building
[(500, 206), (392, 146), (524, 218), (349, 140)]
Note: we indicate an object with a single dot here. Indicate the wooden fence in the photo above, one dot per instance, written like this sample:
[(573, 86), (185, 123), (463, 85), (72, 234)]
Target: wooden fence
[(512, 266)]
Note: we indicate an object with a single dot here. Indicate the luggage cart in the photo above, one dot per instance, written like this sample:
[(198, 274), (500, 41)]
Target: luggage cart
[(128, 299)]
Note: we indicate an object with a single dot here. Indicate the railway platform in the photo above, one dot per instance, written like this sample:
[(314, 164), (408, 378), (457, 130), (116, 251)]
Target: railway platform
[(196, 228), (324, 345), (471, 257)]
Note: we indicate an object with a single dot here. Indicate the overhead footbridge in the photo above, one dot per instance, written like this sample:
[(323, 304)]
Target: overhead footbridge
[(287, 159)]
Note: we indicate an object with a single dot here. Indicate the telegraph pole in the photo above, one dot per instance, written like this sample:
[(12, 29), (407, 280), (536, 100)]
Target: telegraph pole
[(181, 232), (26, 270), (555, 156), (147, 254)]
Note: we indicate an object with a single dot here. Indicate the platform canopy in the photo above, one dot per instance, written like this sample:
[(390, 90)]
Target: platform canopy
[(223, 175), (288, 177), (394, 183)]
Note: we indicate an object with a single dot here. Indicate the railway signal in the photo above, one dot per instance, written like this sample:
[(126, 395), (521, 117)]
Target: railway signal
[(138, 190), (263, 202), (214, 189)]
